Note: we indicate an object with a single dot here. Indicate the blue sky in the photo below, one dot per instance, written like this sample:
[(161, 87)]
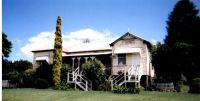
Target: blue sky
[(26, 21)]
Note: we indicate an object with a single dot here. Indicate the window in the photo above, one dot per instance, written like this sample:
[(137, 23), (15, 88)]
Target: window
[(121, 59)]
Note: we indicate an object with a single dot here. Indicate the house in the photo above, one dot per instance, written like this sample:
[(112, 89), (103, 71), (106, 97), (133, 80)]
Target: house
[(128, 57)]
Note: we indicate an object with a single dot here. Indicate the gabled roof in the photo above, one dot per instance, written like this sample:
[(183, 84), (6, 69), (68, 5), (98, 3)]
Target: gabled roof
[(129, 34)]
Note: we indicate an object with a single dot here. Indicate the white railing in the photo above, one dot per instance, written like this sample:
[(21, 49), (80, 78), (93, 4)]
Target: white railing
[(79, 79), (75, 72), (133, 71), (117, 79), (83, 82), (136, 71), (89, 82)]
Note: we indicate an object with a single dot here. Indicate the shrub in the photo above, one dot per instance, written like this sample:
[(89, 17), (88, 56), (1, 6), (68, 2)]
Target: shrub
[(94, 70), (22, 65), (44, 71), (41, 83), (105, 86), (195, 86), (124, 90), (28, 78), (64, 86), (108, 72), (64, 71), (179, 86), (120, 89), (15, 77), (137, 90)]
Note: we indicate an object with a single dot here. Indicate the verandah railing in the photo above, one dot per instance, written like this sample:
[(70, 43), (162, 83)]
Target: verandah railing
[(131, 73)]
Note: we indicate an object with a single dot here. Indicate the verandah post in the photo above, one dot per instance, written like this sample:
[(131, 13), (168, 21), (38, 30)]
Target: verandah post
[(79, 58), (73, 64), (125, 75), (86, 85), (111, 84), (67, 76)]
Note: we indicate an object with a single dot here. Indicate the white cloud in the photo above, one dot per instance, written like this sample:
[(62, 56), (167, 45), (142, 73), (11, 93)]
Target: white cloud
[(90, 34), (45, 40)]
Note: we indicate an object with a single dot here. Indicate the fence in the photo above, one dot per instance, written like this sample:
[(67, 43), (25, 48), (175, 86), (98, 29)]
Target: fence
[(5, 83)]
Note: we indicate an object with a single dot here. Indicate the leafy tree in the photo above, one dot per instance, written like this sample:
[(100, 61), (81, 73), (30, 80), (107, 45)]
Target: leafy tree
[(180, 52), (183, 24), (183, 31), (28, 78), (22, 65), (6, 46), (6, 49), (15, 72), (7, 66), (44, 72), (64, 71), (163, 58), (57, 58), (94, 70)]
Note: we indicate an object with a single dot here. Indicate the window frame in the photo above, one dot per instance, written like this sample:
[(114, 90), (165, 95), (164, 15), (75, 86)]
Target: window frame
[(121, 59)]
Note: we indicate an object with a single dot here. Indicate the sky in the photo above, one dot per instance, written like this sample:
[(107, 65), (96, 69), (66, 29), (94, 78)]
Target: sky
[(30, 24)]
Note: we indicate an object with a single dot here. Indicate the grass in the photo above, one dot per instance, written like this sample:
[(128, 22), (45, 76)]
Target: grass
[(29, 94)]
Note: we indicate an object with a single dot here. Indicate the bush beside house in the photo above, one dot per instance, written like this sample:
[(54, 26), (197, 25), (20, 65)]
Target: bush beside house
[(94, 70), (195, 86)]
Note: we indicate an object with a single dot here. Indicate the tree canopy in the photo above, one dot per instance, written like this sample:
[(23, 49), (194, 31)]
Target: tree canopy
[(6, 46), (183, 24), (22, 65), (180, 52)]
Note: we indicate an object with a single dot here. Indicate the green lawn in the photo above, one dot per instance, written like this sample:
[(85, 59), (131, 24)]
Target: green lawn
[(28, 94)]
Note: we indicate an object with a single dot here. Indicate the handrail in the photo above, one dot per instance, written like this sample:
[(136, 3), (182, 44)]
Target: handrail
[(70, 77), (80, 79), (116, 81), (84, 81), (89, 81), (75, 72), (118, 76)]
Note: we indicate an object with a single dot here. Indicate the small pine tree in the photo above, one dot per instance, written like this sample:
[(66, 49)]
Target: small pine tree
[(57, 58)]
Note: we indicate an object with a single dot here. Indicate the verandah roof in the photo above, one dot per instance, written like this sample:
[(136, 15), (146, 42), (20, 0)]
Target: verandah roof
[(42, 58), (127, 50)]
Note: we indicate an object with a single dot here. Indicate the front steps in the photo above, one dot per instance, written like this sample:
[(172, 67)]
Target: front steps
[(79, 80)]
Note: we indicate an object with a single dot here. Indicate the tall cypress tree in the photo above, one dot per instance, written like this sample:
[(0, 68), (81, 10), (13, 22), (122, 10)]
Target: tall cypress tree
[(182, 24), (183, 30), (57, 58)]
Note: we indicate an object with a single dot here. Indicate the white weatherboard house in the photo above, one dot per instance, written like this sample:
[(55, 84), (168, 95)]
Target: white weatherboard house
[(128, 57)]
